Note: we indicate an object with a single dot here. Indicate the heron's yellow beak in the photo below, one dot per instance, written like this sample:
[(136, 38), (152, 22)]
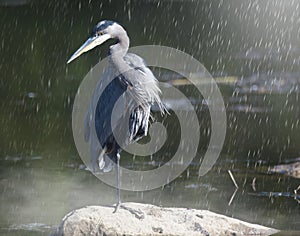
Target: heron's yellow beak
[(88, 45)]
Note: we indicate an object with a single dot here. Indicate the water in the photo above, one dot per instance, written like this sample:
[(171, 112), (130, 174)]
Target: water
[(38, 190), (41, 174)]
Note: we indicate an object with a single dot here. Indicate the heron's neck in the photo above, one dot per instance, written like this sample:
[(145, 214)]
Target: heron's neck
[(118, 51)]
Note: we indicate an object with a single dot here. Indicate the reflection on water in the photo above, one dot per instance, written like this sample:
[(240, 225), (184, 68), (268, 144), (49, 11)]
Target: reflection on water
[(257, 69)]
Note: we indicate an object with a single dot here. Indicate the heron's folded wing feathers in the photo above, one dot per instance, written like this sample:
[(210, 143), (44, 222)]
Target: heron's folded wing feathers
[(138, 123)]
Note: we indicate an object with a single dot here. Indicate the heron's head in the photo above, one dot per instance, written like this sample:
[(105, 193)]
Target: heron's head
[(103, 31)]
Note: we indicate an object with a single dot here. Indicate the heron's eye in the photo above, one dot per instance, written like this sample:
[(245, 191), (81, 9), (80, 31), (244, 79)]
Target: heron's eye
[(99, 33)]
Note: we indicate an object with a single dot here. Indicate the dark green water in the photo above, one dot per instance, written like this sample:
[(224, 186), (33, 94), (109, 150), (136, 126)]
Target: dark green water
[(40, 175)]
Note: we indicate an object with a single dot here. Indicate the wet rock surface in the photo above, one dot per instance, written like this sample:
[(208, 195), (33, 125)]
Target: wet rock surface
[(145, 219)]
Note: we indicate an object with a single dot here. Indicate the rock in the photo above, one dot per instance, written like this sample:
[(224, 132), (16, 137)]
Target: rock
[(145, 219), (291, 169)]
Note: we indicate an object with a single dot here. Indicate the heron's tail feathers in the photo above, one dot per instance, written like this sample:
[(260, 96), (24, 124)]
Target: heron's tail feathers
[(104, 162)]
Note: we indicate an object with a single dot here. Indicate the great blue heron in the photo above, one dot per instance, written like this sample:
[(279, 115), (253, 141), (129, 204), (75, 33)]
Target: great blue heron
[(132, 84)]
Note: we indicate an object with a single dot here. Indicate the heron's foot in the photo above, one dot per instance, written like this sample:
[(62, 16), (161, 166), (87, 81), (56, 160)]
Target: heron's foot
[(117, 207), (136, 212)]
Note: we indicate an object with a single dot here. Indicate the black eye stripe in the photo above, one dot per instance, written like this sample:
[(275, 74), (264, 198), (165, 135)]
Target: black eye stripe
[(101, 26)]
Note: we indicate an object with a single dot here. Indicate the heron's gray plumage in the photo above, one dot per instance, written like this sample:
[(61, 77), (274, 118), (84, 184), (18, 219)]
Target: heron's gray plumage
[(121, 101)]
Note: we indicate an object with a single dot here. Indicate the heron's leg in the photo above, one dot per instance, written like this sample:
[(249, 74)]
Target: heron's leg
[(118, 183)]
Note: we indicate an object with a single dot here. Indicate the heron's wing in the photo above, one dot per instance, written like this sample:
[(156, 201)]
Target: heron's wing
[(106, 107), (97, 122)]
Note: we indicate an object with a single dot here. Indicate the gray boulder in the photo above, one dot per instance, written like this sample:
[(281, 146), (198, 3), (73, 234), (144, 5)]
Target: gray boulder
[(145, 219)]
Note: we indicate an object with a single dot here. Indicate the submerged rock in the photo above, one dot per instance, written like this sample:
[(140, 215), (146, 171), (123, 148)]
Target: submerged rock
[(268, 83), (145, 219), (291, 169)]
